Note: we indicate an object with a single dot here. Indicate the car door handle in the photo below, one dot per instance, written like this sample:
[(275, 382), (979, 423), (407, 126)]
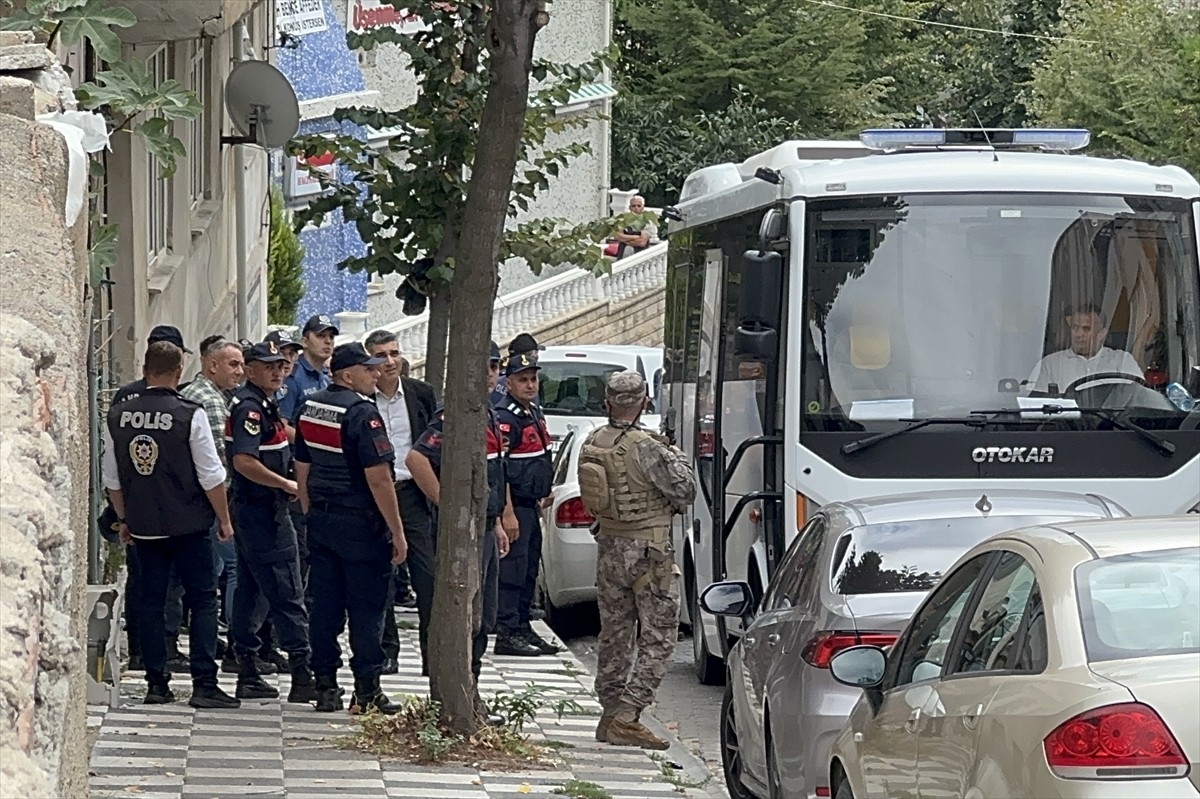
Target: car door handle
[(971, 720), (913, 720), (772, 639)]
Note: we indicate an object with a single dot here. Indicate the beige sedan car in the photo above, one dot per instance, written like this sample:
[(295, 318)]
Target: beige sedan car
[(1054, 661)]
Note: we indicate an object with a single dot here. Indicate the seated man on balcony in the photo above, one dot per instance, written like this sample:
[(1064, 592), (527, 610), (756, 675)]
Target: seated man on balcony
[(637, 236)]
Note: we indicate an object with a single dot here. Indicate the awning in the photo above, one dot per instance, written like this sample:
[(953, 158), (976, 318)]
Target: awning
[(587, 95)]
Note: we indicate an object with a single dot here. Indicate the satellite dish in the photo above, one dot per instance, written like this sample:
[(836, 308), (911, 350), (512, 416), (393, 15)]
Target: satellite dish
[(262, 105)]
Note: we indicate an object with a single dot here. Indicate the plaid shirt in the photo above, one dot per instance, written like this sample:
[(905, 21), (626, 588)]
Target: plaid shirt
[(216, 405)]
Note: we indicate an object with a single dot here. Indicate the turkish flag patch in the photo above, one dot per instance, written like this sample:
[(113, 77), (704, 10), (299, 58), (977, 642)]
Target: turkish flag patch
[(505, 427), (255, 415), (376, 424)]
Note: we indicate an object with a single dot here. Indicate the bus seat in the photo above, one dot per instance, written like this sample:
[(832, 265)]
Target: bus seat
[(870, 347)]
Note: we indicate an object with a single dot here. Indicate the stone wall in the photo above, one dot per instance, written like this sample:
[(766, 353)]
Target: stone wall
[(43, 461), (636, 321)]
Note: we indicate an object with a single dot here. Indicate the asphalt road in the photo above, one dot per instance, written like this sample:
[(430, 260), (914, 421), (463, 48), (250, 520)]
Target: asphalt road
[(684, 706)]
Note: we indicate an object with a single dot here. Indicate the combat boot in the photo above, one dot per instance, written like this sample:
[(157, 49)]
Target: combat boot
[(602, 726), (633, 733), (250, 684), (545, 647), (368, 695), (329, 695), (510, 644), (303, 689)]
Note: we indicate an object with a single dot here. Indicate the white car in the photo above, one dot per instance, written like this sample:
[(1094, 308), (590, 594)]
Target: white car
[(572, 380), (1058, 662), (568, 573)]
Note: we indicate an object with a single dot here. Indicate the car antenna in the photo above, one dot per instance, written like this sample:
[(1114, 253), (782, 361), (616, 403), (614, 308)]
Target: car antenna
[(984, 505), (995, 155)]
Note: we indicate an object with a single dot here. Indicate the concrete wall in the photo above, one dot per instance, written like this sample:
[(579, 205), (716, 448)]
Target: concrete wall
[(635, 321), (43, 469)]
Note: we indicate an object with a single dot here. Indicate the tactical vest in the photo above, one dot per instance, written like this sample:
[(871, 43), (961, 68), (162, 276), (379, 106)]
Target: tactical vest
[(335, 476), (150, 435), (621, 499)]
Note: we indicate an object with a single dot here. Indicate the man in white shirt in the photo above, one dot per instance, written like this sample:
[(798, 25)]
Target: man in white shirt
[(407, 406), (1087, 354)]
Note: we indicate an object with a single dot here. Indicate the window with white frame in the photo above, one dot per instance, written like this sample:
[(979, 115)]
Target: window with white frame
[(158, 189), (199, 138)]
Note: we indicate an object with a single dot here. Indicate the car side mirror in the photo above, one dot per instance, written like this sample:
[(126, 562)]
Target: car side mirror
[(859, 666), (731, 599)]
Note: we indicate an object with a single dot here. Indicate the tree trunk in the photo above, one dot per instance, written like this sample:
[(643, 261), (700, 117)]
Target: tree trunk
[(435, 342), (511, 32)]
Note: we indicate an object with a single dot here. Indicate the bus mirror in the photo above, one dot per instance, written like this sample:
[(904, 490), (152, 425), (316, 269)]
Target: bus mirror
[(760, 296), (760, 344)]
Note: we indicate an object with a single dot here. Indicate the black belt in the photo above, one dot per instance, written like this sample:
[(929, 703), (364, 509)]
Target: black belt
[(336, 507)]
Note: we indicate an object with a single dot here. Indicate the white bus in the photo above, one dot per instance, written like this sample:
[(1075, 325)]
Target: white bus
[(854, 319)]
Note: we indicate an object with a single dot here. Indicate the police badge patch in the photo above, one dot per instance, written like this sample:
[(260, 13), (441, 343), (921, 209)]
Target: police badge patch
[(252, 427), (143, 451)]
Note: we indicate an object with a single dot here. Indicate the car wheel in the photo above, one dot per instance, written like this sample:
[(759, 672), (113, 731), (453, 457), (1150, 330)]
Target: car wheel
[(709, 670), (731, 751), (843, 789)]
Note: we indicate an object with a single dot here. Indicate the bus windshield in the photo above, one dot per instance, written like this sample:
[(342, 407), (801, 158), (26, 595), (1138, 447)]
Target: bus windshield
[(923, 306)]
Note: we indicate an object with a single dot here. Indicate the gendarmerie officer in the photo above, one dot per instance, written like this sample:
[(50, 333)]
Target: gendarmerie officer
[(268, 559), (530, 474), (344, 471), (425, 463), (167, 487)]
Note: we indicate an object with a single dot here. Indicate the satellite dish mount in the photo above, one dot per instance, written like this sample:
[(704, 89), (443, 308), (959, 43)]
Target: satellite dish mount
[(262, 105)]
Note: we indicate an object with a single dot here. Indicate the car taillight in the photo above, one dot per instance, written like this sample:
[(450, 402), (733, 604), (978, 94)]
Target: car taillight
[(1125, 741), (823, 646), (572, 513)]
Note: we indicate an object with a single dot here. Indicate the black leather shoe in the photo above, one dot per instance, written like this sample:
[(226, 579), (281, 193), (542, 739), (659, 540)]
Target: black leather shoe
[(391, 666), (229, 664), (213, 697), (136, 663), (255, 688), (515, 645), (544, 646), (265, 666), (378, 700), (158, 695)]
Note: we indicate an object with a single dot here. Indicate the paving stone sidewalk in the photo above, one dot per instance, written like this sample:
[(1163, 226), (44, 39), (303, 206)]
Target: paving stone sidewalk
[(267, 748)]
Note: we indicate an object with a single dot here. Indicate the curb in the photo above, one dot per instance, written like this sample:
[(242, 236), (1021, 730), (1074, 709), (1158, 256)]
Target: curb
[(691, 766)]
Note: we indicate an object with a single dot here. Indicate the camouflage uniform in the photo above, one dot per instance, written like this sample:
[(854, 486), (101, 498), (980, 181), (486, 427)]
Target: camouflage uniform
[(633, 483)]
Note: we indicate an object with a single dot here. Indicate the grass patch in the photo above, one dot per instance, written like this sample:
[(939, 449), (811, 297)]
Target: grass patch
[(559, 745), (414, 735), (581, 789), (405, 624)]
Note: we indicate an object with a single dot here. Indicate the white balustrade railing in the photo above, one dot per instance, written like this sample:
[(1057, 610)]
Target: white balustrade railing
[(533, 307)]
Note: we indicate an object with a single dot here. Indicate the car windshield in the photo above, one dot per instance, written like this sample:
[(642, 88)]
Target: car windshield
[(911, 555), (574, 388), (924, 306), (1140, 605)]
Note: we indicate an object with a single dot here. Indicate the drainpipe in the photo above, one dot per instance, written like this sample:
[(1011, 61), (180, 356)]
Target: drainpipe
[(606, 124), (239, 189)]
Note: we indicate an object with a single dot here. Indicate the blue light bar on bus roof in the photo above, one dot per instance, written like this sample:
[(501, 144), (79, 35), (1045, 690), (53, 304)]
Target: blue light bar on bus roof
[(1041, 138)]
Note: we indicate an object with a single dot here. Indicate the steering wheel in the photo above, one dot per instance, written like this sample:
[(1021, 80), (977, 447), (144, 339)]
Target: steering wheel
[(1083, 381)]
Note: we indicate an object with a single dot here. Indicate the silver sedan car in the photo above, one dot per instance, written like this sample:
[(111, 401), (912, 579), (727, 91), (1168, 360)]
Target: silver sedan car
[(1058, 662), (854, 575)]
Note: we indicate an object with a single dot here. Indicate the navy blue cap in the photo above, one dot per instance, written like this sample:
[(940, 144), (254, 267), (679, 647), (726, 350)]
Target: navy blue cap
[(266, 351), (521, 363), (494, 352), (352, 354), (282, 340), (319, 324), (168, 333)]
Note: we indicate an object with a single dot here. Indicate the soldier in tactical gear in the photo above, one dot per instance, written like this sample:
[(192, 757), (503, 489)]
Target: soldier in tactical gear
[(347, 491), (268, 558), (633, 482), (167, 487)]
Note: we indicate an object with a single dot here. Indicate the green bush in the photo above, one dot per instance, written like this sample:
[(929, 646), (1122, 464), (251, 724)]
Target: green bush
[(285, 284)]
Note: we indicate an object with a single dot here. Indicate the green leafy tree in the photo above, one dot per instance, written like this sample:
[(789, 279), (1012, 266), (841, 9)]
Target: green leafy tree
[(285, 260), (408, 202), (1129, 73)]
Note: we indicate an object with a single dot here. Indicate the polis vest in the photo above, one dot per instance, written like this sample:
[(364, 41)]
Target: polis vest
[(617, 494), (150, 435), (334, 477)]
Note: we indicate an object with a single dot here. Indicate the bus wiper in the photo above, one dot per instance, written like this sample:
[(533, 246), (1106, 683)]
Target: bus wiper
[(861, 444), (1167, 448)]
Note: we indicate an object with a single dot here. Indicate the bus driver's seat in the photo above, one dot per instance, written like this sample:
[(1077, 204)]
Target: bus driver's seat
[(861, 359)]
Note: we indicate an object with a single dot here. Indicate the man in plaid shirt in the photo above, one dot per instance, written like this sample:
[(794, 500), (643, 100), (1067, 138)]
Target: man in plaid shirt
[(221, 367)]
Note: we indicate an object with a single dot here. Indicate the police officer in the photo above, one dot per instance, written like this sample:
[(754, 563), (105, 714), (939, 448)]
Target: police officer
[(425, 464), (309, 374), (268, 560), (167, 487), (530, 474), (344, 471), (633, 482)]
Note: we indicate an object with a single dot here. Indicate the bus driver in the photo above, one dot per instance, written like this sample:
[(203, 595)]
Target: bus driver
[(1087, 354)]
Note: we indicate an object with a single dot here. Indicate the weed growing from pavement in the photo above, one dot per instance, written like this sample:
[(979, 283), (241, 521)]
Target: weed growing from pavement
[(414, 735), (581, 789), (672, 774)]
